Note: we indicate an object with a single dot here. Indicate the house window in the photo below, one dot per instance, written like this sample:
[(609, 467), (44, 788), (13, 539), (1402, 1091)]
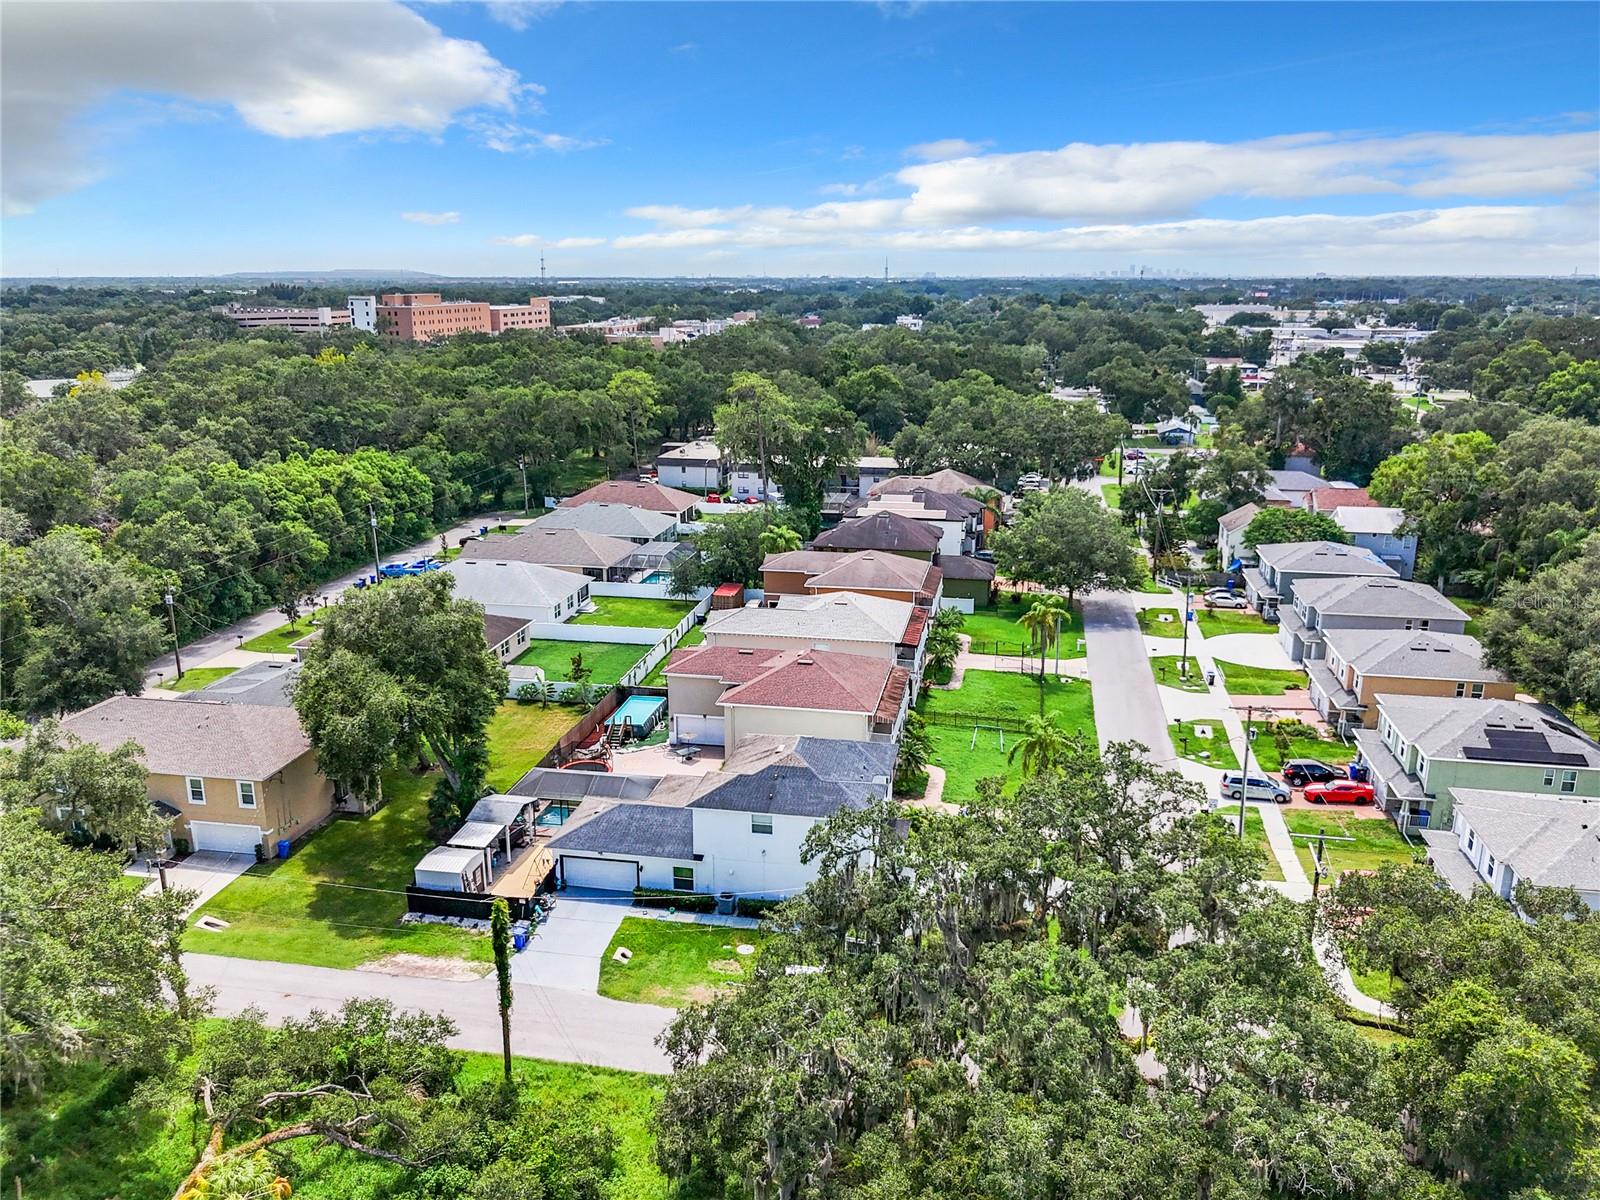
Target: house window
[(1472, 841), (247, 794), (1488, 867), (1422, 765), (197, 790), (1549, 777), (1477, 691), (522, 637), (1569, 781), (760, 822), (683, 879)]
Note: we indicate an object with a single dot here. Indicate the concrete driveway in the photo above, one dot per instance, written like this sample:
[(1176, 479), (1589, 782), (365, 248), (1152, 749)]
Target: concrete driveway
[(205, 872), (566, 949)]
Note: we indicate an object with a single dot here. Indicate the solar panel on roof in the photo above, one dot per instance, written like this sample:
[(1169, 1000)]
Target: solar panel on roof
[(1522, 745)]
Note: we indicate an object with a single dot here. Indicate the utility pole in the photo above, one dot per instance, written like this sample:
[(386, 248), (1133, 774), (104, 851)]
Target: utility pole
[(522, 465), (1183, 664), (1244, 781), (172, 620), (1119, 462), (372, 520)]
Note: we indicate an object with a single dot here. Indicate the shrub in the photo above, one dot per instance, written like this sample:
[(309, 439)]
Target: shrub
[(664, 898)]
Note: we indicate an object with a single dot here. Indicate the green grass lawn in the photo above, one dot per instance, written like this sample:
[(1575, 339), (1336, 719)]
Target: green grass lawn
[(1259, 681), (1378, 984), (1153, 626), (1214, 622), (82, 1137), (1377, 840), (674, 962), (1474, 610), (996, 630), (1219, 750), (1108, 466), (634, 612), (196, 678), (657, 676), (291, 910), (609, 661), (1255, 832), (1111, 493), (1265, 749), (281, 639), (1165, 669), (578, 472), (520, 735), (986, 696)]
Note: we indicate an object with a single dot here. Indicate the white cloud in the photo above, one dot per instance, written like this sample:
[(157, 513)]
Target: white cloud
[(518, 239), (534, 240), (519, 14), (946, 148), (508, 137), (288, 70), (431, 218)]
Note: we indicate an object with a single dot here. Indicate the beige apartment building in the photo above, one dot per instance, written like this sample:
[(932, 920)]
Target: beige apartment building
[(426, 316)]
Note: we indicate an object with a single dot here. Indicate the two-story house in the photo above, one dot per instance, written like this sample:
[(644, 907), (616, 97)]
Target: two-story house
[(1360, 664), (893, 630), (739, 829), (1501, 839), (1424, 747), (1380, 530), (1270, 584), (891, 532), (1321, 604), (870, 572), (957, 519), (232, 777)]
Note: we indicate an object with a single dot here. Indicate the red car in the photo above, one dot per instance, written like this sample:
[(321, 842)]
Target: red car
[(1340, 791)]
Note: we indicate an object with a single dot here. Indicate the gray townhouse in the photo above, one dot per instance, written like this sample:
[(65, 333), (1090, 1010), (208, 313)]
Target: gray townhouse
[(1322, 604), (1501, 839), (1279, 565)]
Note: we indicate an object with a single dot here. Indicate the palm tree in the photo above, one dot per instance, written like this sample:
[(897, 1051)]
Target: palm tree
[(778, 539), (990, 499), (1044, 747), (1043, 620)]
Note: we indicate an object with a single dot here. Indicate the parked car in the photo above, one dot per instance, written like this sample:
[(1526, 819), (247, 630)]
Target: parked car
[(1133, 454), (1340, 791), (394, 570), (1226, 602), (1301, 771), (1234, 788)]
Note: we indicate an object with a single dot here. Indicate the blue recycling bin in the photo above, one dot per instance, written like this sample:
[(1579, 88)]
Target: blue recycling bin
[(283, 847), (519, 939), (1358, 772)]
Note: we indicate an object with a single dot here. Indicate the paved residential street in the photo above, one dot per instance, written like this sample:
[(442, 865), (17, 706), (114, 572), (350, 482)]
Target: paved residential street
[(1126, 704), (546, 1022)]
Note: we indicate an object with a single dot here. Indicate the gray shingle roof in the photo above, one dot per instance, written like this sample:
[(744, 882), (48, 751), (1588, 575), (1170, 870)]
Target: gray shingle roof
[(613, 520), (964, 566), (1323, 558), (1239, 517), (552, 547), (1550, 842), (1376, 596), (1297, 481), (507, 583), (832, 617), (880, 531), (1445, 727), (1411, 654), (226, 741), (653, 830), (807, 777)]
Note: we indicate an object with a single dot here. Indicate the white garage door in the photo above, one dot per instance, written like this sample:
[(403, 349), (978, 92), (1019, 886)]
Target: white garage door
[(218, 835), (610, 874)]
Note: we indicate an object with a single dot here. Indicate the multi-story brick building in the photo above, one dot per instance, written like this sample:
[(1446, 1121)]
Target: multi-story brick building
[(426, 316)]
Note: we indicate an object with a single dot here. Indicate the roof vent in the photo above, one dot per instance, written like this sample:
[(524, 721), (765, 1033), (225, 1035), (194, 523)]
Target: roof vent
[(805, 662), (746, 652)]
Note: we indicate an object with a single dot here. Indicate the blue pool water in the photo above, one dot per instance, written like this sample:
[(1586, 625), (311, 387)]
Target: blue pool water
[(655, 577), (643, 711), (556, 814)]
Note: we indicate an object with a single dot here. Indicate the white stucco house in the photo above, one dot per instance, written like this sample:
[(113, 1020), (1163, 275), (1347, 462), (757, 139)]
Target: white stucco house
[(520, 589)]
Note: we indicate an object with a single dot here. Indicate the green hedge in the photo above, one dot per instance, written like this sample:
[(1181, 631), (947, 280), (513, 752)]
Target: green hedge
[(665, 898)]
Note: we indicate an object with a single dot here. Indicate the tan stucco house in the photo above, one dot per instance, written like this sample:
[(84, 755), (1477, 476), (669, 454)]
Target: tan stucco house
[(234, 777)]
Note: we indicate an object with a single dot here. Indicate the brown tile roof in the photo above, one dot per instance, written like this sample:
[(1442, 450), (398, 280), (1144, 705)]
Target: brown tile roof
[(228, 741), (914, 627), (880, 531), (877, 570), (819, 679), (894, 693), (639, 493), (731, 664), (1328, 499), (553, 548), (497, 629), (946, 480)]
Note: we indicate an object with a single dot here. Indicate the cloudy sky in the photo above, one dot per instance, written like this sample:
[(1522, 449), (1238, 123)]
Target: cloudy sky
[(194, 137)]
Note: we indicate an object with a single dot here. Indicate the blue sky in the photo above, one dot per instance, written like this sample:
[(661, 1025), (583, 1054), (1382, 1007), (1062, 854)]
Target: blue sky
[(800, 138)]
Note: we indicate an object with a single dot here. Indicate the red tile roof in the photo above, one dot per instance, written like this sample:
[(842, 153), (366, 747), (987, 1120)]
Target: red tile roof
[(1328, 499), (731, 664), (914, 627)]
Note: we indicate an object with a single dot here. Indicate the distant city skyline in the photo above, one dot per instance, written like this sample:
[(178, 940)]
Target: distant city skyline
[(791, 140)]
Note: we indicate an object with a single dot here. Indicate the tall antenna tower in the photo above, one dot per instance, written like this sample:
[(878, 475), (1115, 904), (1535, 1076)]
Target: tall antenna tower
[(541, 266), (886, 268)]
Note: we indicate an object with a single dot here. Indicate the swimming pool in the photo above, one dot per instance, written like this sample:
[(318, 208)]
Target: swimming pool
[(656, 577), (555, 814), (643, 711)]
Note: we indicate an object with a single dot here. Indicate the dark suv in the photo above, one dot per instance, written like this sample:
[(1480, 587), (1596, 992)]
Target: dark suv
[(1300, 771)]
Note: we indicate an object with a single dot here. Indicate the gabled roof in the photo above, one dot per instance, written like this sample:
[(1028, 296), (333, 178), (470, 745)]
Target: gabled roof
[(806, 776), (1297, 481), (226, 741), (964, 566), (1322, 558), (552, 547), (1368, 518), (829, 617), (613, 520), (1411, 654), (1375, 596), (639, 493), (506, 583), (1239, 517), (880, 531), (497, 629), (731, 664), (945, 480), (805, 562), (1326, 499), (816, 679), (1549, 841), (1488, 731), (920, 504)]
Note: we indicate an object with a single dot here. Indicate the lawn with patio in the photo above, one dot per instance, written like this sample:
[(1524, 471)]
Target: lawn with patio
[(1377, 841), (608, 661), (1160, 622), (1241, 680), (1215, 622), (990, 697), (196, 678), (337, 900), (1265, 748), (520, 735), (1214, 749), (675, 963), (280, 640), (1165, 667), (634, 612), (1000, 627)]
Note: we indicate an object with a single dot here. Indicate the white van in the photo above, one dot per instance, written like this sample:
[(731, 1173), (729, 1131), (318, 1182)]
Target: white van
[(1233, 788)]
